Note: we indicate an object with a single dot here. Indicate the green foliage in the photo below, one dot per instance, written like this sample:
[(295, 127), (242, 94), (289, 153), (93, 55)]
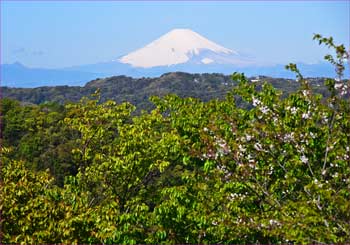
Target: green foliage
[(275, 170), (137, 91), (37, 135), (341, 53)]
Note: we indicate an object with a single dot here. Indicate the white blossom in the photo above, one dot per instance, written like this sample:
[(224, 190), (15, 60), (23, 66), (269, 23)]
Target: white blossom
[(325, 117), (250, 159), (264, 109), (241, 148), (293, 110), (338, 85), (312, 135), (304, 159), (306, 115), (306, 92), (275, 120), (256, 102), (317, 183), (274, 222), (258, 146), (289, 137), (248, 137), (253, 166), (344, 90)]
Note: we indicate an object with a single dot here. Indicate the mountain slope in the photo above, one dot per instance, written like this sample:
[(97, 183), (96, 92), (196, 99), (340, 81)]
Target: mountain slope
[(176, 47), (137, 91)]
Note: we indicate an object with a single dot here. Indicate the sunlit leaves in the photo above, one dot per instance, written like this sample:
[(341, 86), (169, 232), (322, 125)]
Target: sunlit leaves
[(275, 170)]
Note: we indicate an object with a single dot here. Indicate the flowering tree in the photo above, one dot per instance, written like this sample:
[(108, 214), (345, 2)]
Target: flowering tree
[(276, 170)]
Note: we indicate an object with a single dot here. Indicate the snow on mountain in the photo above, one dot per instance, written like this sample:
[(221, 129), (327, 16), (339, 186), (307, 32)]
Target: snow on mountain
[(179, 46), (178, 50)]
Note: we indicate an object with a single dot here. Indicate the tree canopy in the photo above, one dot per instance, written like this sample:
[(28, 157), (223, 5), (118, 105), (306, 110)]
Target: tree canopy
[(276, 170)]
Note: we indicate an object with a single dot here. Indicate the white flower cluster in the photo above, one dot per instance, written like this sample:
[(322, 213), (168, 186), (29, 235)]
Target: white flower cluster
[(324, 117), (304, 159), (241, 149), (312, 135), (248, 137), (250, 159), (237, 196), (224, 170), (274, 222), (258, 147), (264, 109), (256, 102), (275, 120), (221, 146), (289, 137), (306, 93), (293, 109), (347, 154), (306, 115), (317, 183), (270, 170), (342, 88)]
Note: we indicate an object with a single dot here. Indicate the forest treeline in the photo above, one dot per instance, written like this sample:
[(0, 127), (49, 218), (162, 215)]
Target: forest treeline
[(137, 91), (273, 168)]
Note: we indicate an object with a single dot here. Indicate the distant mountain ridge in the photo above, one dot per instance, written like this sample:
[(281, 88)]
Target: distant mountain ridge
[(19, 76), (178, 50), (138, 90)]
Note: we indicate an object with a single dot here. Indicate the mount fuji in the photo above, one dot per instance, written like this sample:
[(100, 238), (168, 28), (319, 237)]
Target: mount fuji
[(182, 46), (178, 50)]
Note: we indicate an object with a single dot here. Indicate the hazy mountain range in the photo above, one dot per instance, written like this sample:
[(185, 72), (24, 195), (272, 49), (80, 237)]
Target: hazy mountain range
[(178, 50)]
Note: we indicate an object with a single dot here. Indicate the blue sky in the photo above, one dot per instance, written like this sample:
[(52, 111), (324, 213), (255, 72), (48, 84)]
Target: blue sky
[(65, 33)]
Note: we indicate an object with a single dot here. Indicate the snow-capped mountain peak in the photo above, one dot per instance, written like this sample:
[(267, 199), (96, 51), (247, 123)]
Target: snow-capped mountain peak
[(175, 47)]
